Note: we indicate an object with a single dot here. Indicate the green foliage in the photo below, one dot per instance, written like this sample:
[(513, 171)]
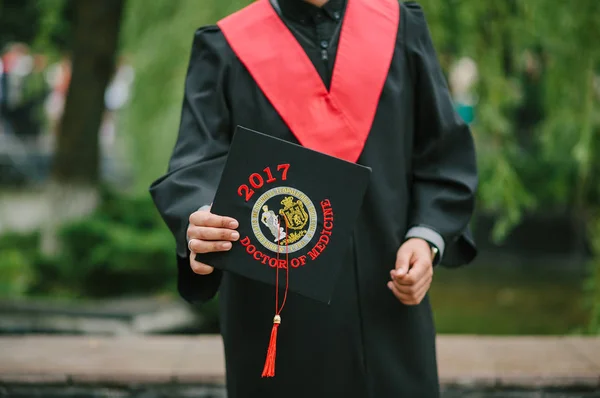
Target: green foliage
[(15, 274), (538, 117), (18, 265), (552, 158), (12, 14), (43, 24), (122, 249), (56, 19)]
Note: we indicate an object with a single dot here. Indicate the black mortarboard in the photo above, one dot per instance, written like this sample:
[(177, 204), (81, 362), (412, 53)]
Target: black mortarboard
[(283, 194), (294, 206)]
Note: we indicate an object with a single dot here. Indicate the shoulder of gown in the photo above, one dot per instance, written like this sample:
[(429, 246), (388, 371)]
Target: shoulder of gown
[(414, 29)]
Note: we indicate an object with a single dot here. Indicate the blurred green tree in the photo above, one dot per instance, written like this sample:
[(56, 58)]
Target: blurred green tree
[(96, 36), (538, 117), (93, 45), (56, 19), (12, 15)]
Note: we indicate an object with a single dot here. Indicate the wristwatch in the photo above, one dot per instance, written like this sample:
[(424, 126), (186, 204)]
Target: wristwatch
[(434, 252)]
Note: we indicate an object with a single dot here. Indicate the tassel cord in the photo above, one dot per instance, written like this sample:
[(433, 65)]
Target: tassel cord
[(269, 368)]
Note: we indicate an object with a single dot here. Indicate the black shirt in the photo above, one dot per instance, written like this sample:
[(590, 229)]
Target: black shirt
[(317, 29)]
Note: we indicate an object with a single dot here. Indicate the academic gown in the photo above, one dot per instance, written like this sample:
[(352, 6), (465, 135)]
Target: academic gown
[(365, 344)]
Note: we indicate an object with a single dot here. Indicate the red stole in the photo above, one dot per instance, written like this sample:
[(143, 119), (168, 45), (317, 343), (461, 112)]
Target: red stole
[(335, 122)]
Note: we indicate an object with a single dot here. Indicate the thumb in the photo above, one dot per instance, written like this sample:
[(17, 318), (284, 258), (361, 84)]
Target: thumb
[(403, 261)]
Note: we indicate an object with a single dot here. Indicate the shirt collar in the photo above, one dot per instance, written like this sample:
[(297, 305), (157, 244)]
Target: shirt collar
[(306, 13)]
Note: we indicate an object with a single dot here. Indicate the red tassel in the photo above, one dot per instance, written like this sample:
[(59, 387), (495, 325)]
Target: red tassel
[(269, 369)]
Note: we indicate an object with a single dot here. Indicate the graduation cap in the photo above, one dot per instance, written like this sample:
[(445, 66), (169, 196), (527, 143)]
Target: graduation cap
[(296, 209)]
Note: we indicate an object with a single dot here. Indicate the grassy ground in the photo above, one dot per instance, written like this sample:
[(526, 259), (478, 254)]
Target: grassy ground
[(508, 300)]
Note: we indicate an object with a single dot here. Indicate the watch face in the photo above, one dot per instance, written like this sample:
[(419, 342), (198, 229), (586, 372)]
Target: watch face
[(434, 252)]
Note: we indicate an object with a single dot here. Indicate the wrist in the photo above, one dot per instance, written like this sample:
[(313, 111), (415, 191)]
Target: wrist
[(432, 237), (433, 250)]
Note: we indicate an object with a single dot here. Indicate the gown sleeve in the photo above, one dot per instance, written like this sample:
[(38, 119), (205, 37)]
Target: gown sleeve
[(444, 170), (198, 157)]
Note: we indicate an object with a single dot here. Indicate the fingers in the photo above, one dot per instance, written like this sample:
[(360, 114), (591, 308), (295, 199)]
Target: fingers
[(207, 219), (421, 268), (209, 233), (413, 289), (414, 298), (208, 239), (198, 267), (205, 246)]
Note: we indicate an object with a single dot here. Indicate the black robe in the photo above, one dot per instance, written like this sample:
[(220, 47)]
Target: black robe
[(365, 343)]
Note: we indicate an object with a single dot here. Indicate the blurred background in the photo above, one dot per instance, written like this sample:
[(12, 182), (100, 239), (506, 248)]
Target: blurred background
[(91, 93)]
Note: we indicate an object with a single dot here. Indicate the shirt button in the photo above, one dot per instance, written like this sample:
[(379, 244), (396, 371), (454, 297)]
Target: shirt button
[(336, 15), (324, 44)]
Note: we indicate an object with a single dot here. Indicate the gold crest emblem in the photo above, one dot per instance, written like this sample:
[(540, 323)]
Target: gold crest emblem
[(294, 213)]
